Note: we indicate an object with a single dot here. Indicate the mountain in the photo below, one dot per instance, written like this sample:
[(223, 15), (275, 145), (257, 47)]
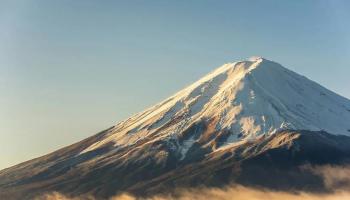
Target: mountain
[(250, 122)]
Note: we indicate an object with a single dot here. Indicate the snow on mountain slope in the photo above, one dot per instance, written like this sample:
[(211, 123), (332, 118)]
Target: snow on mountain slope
[(247, 98)]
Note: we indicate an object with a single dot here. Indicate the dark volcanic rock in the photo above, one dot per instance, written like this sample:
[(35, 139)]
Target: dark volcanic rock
[(274, 162)]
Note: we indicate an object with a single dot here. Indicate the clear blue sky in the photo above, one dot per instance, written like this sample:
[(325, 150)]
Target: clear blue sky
[(71, 68)]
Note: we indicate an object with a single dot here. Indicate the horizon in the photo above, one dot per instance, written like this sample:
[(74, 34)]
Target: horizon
[(65, 77)]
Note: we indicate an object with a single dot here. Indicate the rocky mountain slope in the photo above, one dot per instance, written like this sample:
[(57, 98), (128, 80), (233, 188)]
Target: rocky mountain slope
[(251, 122)]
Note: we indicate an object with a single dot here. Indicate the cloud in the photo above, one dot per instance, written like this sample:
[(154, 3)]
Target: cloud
[(244, 193), (229, 193), (337, 179), (334, 177)]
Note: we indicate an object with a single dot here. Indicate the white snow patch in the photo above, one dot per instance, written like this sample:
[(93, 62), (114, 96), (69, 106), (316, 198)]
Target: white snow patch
[(187, 144)]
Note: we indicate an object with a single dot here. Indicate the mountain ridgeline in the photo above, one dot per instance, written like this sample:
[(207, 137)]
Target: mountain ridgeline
[(253, 123)]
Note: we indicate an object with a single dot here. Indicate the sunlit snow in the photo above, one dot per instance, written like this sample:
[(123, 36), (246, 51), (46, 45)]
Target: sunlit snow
[(250, 98)]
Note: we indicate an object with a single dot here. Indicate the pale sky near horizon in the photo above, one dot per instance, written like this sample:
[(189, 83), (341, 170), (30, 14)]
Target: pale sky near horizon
[(71, 68)]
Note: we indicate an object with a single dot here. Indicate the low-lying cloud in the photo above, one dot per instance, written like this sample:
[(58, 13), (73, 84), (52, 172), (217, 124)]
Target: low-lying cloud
[(336, 179)]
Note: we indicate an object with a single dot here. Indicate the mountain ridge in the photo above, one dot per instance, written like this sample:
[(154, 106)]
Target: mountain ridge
[(244, 123), (233, 89)]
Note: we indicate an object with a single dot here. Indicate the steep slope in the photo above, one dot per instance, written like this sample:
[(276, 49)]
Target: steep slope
[(246, 99), (241, 123)]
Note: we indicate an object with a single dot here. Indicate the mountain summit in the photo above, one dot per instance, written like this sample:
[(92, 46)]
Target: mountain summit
[(240, 100), (237, 124)]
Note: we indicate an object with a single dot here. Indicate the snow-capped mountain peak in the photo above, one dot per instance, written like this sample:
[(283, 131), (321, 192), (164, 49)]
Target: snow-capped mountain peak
[(244, 99), (250, 122), (255, 58)]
